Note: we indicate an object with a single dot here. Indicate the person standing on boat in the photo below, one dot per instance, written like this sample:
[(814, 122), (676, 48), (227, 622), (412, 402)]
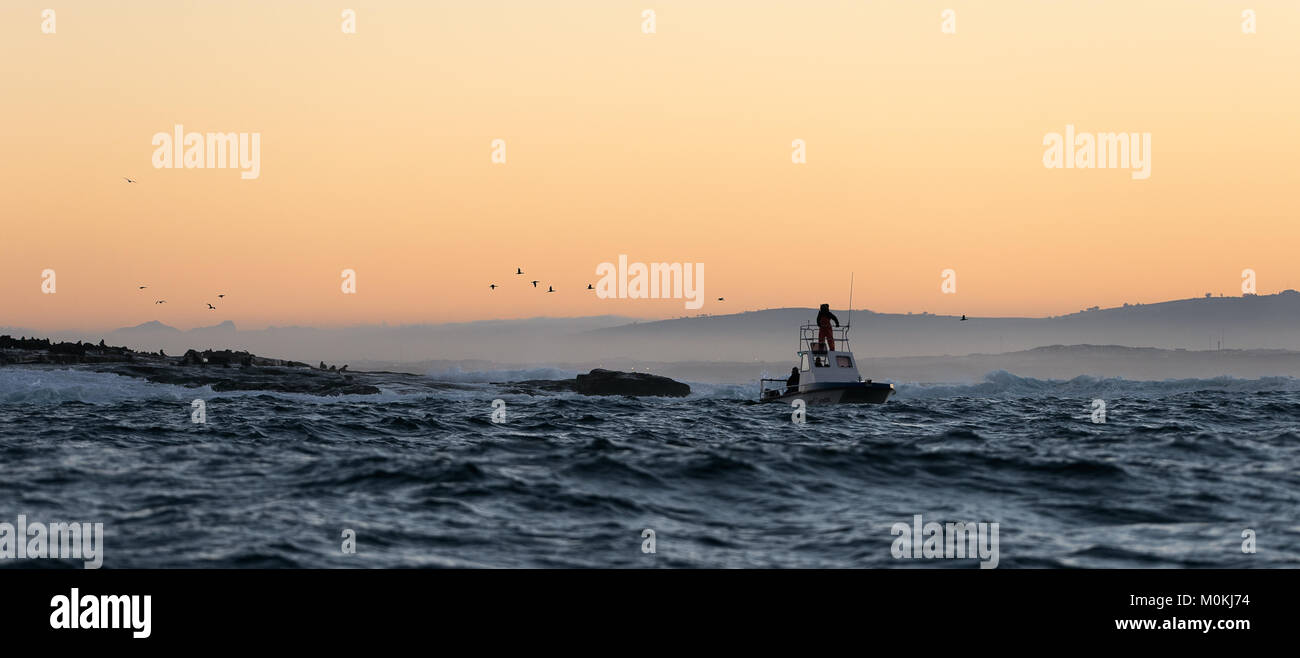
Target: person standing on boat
[(824, 318), (792, 382)]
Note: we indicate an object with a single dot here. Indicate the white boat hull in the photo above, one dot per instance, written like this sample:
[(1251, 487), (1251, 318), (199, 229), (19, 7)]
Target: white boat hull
[(849, 393)]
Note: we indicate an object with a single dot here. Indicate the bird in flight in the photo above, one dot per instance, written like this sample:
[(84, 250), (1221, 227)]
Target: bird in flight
[(161, 301), (493, 286), (143, 287), (220, 296), (534, 284), (721, 299), (212, 307), (589, 287), (519, 270), (129, 180), (550, 289)]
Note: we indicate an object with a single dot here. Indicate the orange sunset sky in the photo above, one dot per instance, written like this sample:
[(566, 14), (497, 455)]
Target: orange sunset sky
[(924, 153)]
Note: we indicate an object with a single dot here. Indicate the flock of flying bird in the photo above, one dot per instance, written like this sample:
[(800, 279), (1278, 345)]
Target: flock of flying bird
[(163, 301), (519, 271)]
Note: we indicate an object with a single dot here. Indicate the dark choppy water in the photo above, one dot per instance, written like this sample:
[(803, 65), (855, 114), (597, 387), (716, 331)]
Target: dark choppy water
[(425, 479)]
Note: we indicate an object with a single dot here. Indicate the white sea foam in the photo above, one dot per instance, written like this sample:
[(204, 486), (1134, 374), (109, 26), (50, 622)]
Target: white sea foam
[(40, 386), (456, 375), (747, 391), (1002, 384)]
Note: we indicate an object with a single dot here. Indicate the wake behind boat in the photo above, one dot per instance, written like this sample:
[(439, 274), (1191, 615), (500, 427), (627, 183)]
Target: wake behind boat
[(825, 375)]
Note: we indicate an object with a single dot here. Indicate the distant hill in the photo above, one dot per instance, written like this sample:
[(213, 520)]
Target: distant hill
[(152, 325), (1103, 361), (1265, 321)]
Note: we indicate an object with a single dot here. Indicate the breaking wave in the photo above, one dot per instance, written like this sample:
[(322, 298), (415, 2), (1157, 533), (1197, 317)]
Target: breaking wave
[(1002, 384), (457, 375), (31, 386)]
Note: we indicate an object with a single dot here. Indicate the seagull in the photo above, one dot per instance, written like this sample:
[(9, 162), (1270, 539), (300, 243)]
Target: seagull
[(519, 270), (493, 286), (550, 289), (721, 299), (220, 296), (212, 307), (589, 287), (161, 301), (143, 287), (963, 318), (129, 180), (534, 284)]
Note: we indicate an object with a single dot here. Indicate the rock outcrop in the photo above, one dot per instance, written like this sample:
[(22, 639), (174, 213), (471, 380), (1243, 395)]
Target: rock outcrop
[(609, 382), (223, 370)]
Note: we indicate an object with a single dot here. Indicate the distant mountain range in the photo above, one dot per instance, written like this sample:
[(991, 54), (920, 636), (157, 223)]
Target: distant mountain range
[(1250, 322)]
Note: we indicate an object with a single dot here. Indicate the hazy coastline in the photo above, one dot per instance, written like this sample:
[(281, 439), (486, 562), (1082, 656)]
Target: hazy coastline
[(1175, 339)]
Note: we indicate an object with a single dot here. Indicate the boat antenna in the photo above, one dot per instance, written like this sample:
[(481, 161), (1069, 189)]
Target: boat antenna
[(849, 323)]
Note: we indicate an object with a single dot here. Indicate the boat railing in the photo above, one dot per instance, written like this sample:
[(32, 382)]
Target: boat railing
[(769, 387), (810, 339)]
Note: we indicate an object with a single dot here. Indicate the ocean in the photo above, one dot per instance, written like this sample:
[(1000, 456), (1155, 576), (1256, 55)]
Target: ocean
[(1180, 474)]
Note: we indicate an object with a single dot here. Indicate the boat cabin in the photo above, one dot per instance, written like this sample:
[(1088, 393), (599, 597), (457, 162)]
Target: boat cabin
[(819, 363)]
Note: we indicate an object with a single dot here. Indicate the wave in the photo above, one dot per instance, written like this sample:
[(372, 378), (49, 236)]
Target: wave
[(40, 386), (456, 375), (30, 386), (1002, 384), (25, 386), (725, 391)]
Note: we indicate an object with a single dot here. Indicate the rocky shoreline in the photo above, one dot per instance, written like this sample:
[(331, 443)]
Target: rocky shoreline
[(228, 370), (223, 370)]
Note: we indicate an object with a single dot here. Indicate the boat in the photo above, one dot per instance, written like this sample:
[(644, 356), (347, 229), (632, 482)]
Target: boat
[(826, 376)]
